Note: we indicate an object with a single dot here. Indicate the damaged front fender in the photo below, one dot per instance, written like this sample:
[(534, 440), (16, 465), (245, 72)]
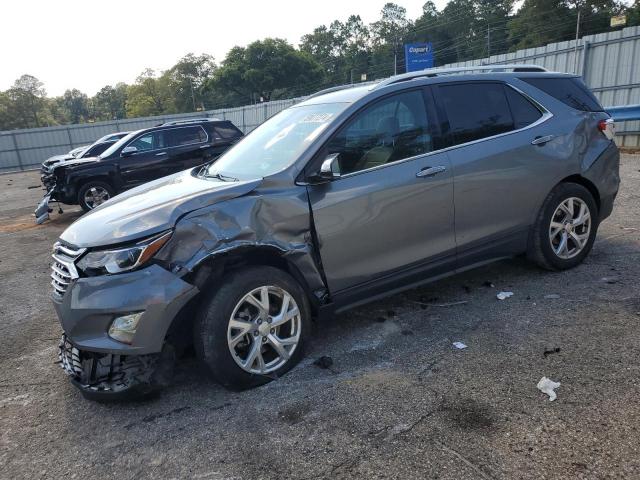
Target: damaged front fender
[(277, 221)]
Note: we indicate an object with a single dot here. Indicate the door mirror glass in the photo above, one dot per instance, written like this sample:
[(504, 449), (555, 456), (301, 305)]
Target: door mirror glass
[(129, 150)]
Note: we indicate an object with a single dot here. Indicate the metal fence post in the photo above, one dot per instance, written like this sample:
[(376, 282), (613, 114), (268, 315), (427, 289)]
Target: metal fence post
[(244, 122), (70, 141), (585, 57), (15, 145)]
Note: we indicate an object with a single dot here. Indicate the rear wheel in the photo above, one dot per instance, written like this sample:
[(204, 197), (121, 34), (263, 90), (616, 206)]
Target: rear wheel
[(94, 194), (566, 228), (253, 328)]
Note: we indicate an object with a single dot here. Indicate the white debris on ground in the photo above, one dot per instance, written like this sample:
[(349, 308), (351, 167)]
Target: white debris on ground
[(552, 296), (459, 345), (546, 385), (503, 295)]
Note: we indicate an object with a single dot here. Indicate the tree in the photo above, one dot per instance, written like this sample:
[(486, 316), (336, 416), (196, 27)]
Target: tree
[(267, 69), (187, 78), (27, 102), (110, 102), (149, 96), (389, 34), (76, 104)]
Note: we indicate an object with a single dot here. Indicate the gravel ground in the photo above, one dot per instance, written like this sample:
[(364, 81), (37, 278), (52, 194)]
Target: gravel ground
[(399, 401)]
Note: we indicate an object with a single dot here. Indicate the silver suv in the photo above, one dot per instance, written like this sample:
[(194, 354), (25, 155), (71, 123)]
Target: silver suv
[(351, 195)]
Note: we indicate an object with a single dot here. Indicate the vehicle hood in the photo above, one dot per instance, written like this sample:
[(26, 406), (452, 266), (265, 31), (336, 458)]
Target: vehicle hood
[(151, 208), (70, 162)]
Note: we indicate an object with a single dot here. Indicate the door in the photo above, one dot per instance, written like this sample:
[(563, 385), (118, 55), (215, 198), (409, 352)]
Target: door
[(501, 178), (148, 162), (391, 210), (188, 147)]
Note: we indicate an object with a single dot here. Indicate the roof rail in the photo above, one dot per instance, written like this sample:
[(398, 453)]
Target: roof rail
[(434, 72), (333, 89), (190, 120)]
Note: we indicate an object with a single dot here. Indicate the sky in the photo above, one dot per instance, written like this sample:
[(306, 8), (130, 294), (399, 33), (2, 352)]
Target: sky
[(87, 44)]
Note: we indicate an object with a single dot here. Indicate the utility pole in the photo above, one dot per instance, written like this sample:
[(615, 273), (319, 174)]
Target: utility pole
[(193, 98), (395, 55), (575, 50), (488, 41)]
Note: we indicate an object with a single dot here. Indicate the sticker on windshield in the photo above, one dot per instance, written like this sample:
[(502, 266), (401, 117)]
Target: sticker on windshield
[(317, 118)]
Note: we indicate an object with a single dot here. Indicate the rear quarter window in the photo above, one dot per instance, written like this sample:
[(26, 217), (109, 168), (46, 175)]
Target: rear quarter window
[(569, 90), (226, 132)]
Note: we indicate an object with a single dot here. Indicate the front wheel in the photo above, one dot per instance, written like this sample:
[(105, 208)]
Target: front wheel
[(253, 328), (93, 194), (565, 229)]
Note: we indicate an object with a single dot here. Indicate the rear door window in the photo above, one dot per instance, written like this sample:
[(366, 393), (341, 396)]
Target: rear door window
[(476, 110), (569, 90), (186, 136)]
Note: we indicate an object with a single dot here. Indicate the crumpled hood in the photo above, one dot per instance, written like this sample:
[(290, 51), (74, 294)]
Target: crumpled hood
[(72, 161), (57, 159), (151, 208)]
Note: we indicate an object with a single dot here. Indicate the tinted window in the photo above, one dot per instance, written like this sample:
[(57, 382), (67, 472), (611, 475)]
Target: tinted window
[(570, 91), (97, 149), (186, 136), (149, 141), (476, 110), (523, 111), (390, 130), (227, 131)]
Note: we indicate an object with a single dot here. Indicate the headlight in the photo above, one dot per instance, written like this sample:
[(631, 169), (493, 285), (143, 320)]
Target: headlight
[(124, 259)]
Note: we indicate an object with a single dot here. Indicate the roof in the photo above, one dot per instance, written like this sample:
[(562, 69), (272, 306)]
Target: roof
[(352, 93)]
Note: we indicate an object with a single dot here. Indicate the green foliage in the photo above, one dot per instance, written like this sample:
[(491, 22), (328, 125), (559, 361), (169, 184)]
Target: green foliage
[(268, 69), (149, 95), (332, 54)]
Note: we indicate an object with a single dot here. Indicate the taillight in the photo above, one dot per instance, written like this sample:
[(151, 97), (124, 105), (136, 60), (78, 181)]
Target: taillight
[(608, 128)]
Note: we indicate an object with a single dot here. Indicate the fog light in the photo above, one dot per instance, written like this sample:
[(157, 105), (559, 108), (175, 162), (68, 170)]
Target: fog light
[(124, 328)]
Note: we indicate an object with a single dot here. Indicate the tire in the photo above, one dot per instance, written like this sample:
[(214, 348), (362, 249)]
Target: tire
[(214, 334), (545, 245), (100, 187)]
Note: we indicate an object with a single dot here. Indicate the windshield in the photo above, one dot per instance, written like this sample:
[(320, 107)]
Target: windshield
[(114, 148), (275, 144)]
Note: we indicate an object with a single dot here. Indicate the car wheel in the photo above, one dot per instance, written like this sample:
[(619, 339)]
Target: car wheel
[(565, 229), (253, 328), (93, 194)]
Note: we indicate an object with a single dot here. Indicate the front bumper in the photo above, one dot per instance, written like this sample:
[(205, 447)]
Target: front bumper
[(109, 377), (90, 304)]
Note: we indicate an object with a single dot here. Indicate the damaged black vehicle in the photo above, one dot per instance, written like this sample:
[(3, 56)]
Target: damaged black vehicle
[(134, 159), (344, 198)]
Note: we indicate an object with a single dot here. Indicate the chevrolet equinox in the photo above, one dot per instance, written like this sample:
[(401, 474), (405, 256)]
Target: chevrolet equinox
[(351, 195)]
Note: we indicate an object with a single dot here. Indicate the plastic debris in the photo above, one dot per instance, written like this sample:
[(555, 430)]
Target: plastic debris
[(459, 345), (546, 385), (503, 295), (550, 352), (552, 295)]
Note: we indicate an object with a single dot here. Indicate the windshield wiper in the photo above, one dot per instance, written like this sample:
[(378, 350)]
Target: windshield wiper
[(220, 176)]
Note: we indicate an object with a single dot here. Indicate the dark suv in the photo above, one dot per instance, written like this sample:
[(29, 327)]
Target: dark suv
[(349, 196), (136, 158)]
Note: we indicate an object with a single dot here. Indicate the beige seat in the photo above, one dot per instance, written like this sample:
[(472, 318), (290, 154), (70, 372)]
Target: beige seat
[(387, 129)]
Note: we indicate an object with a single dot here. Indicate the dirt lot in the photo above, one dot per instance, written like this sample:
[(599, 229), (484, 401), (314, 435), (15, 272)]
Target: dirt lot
[(399, 402)]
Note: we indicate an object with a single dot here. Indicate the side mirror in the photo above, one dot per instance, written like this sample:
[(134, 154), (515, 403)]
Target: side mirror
[(129, 150), (329, 170)]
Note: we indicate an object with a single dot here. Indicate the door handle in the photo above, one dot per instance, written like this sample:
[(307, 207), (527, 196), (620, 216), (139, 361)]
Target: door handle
[(160, 154), (430, 171), (542, 140)]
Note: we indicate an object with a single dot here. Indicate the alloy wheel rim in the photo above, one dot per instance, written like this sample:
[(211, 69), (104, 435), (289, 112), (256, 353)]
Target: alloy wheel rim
[(95, 196), (570, 228), (264, 330)]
